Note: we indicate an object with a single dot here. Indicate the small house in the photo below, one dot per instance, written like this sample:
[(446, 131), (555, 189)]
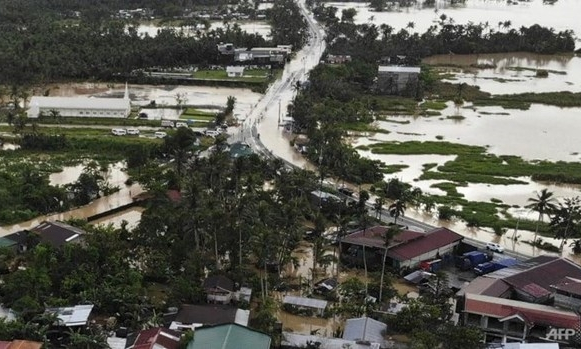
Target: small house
[(318, 306), (56, 234), (235, 71), (219, 289), (364, 329), (154, 338), (193, 316), (71, 316)]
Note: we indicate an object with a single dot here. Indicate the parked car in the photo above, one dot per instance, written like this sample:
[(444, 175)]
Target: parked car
[(494, 247), (143, 115), (167, 123), (119, 131), (346, 191), (181, 124), (160, 134), (132, 131), (211, 133)]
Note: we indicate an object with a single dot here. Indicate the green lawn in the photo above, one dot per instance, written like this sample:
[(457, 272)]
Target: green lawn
[(250, 75)]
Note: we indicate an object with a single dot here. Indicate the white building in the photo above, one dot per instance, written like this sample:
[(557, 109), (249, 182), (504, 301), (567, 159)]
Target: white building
[(235, 71), (81, 106)]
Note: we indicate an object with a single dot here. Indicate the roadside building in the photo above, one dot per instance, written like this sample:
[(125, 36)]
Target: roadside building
[(365, 329), (406, 250), (81, 106), (318, 306), (525, 301), (397, 79), (338, 59), (77, 315), (235, 71)]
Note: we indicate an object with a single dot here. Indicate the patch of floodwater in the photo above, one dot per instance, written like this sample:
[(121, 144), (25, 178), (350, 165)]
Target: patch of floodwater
[(161, 113), (131, 215), (515, 194), (252, 27), (115, 174), (543, 132), (514, 72), (304, 267), (308, 325), (561, 15)]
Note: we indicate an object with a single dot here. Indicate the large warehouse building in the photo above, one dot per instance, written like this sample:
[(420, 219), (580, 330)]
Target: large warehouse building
[(81, 106)]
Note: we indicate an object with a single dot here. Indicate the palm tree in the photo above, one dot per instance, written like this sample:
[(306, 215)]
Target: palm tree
[(397, 209), (378, 206), (389, 235), (543, 203)]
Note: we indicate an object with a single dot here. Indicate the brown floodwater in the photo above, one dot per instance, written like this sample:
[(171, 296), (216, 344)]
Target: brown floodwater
[(131, 215), (514, 72)]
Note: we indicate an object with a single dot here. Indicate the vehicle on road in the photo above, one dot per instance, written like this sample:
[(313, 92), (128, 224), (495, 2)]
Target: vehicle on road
[(160, 134), (132, 131), (211, 133), (494, 247), (181, 124), (167, 123), (119, 132)]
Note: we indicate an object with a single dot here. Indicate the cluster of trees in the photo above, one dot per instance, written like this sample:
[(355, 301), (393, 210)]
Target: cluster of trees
[(334, 98), (372, 43), (41, 48)]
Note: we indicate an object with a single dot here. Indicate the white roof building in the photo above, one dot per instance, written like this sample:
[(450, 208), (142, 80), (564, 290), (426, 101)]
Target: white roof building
[(398, 69), (72, 316), (81, 106), (364, 329)]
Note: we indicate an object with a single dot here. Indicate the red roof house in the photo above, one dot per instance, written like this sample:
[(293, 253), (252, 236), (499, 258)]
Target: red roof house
[(155, 338)]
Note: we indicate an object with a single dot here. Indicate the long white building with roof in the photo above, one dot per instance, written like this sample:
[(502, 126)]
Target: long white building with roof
[(81, 106)]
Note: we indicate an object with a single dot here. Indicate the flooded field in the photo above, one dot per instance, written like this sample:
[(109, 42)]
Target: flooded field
[(115, 174), (514, 72), (131, 215), (253, 27), (561, 15)]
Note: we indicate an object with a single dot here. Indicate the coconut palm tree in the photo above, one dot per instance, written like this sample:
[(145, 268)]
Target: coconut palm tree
[(378, 206), (397, 209), (543, 203), (389, 235)]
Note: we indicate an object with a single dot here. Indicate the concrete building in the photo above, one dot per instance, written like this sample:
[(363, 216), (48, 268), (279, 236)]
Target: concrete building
[(524, 302), (236, 71), (396, 79), (81, 106)]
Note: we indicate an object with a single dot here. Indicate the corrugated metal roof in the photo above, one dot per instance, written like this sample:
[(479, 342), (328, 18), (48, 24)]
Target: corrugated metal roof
[(72, 316), (545, 273), (230, 336), (374, 237), (569, 285), (364, 329), (80, 103), (430, 241), (305, 302), (398, 69), (528, 346), (300, 341)]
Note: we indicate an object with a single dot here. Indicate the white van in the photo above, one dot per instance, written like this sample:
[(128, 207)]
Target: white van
[(119, 131), (160, 134), (211, 133), (132, 131), (167, 123), (181, 124)]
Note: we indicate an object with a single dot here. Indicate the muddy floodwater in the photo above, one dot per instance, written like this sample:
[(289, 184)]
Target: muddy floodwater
[(253, 27), (562, 15), (131, 215)]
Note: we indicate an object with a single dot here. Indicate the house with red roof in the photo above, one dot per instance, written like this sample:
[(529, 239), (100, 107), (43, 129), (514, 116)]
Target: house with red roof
[(406, 250), (20, 344), (526, 301), (154, 338)]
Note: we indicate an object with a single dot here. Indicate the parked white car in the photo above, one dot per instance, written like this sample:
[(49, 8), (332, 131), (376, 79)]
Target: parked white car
[(211, 133), (119, 132), (494, 247), (160, 134), (181, 124), (132, 131)]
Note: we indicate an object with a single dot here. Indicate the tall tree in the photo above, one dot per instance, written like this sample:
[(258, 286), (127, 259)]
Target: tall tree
[(543, 203)]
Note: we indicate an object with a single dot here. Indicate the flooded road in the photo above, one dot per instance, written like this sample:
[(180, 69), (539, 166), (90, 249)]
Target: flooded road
[(562, 15), (253, 27)]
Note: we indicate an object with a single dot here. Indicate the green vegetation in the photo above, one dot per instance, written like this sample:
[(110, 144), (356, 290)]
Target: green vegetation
[(428, 147), (256, 75), (393, 168), (362, 127), (435, 105)]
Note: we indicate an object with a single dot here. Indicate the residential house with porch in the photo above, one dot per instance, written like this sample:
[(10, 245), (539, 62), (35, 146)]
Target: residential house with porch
[(219, 289), (524, 302)]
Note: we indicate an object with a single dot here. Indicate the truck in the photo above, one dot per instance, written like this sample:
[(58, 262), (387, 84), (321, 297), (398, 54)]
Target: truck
[(472, 259), (489, 267), (431, 266)]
